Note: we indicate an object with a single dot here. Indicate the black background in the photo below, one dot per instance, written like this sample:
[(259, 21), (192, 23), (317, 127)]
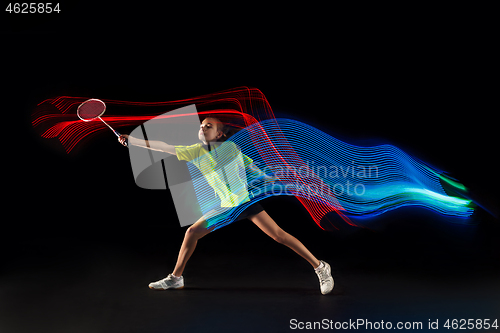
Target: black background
[(423, 83)]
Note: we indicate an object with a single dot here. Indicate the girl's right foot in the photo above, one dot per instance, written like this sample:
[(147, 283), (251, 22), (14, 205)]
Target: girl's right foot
[(324, 273), (170, 282)]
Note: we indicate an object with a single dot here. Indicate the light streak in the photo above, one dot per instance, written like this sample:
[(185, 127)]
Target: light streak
[(323, 173)]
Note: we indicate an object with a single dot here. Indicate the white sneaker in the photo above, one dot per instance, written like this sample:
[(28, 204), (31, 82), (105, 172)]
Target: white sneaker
[(325, 278), (170, 282)]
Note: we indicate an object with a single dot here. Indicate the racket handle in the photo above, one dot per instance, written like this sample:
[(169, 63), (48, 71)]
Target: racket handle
[(116, 133)]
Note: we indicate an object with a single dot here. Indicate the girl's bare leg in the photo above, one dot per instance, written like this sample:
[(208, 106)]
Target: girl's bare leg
[(193, 233), (267, 224)]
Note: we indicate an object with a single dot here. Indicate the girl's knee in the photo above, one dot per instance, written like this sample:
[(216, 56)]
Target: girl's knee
[(191, 231), (196, 231), (280, 236)]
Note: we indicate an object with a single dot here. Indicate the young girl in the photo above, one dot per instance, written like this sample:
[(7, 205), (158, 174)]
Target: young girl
[(211, 131)]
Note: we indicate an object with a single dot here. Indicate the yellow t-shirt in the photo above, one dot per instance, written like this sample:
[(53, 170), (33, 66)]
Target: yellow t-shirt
[(222, 168)]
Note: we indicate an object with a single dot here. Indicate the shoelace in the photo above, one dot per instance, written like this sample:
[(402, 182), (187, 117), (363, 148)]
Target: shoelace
[(322, 276)]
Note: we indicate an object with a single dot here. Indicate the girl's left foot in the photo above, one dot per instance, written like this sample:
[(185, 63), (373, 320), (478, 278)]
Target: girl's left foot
[(324, 273), (170, 282)]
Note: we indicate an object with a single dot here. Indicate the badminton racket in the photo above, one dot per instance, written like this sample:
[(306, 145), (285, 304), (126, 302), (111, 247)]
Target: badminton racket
[(93, 109)]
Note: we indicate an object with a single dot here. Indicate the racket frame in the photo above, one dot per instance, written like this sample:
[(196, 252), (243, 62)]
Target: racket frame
[(98, 116), (91, 100)]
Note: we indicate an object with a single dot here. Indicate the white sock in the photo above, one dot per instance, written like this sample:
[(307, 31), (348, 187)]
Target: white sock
[(321, 265), (176, 277)]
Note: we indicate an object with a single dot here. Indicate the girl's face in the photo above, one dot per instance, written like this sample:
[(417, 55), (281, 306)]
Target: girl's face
[(208, 131)]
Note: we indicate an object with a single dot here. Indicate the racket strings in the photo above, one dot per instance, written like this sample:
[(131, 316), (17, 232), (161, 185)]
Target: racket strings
[(91, 110)]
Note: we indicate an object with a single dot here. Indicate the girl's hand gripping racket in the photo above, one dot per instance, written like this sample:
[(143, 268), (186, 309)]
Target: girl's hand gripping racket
[(92, 109)]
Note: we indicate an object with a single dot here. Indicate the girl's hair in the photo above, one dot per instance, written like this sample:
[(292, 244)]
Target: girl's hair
[(226, 130)]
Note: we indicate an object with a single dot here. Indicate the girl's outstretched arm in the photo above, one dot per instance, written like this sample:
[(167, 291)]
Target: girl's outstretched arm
[(149, 144)]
